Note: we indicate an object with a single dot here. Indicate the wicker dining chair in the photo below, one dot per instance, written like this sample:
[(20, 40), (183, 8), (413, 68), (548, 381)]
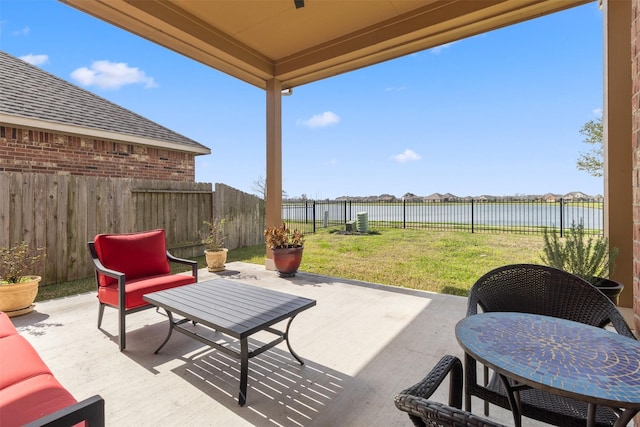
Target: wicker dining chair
[(538, 289), (428, 413)]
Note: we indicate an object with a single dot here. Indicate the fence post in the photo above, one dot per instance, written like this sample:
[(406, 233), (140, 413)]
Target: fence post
[(561, 215), (404, 213), (472, 229), (314, 216), (345, 211)]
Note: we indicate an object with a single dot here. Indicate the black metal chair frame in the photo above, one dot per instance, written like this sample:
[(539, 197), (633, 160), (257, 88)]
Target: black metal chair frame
[(90, 410), (538, 289), (427, 413), (120, 277)]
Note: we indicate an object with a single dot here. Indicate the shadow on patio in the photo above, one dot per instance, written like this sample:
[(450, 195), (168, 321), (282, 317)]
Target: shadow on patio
[(361, 344)]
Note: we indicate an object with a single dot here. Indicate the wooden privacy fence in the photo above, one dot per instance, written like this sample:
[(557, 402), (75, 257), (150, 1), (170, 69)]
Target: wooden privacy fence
[(62, 212)]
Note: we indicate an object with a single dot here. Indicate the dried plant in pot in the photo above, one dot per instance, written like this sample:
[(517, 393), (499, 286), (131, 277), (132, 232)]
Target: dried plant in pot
[(18, 279), (587, 256), (213, 238), (286, 247)]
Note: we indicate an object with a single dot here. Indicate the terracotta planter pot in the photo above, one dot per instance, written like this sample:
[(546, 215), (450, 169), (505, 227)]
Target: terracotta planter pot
[(287, 260), (216, 259), (611, 289), (17, 298)]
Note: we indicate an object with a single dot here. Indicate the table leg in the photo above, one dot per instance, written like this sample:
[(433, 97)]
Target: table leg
[(514, 401), (591, 415), (244, 371), (286, 337), (171, 323)]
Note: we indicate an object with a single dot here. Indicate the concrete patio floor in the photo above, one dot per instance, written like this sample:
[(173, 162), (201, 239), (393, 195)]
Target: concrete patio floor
[(362, 343)]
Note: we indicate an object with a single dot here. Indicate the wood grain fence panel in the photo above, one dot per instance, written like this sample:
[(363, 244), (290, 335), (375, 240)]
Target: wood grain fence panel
[(169, 209), (15, 205), (115, 201), (245, 215), (62, 213), (71, 234), (62, 255), (103, 207), (28, 209), (52, 229), (42, 215), (5, 210), (150, 217), (80, 219), (117, 205), (92, 210)]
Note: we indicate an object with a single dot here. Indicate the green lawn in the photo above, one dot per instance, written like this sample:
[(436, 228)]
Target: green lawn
[(440, 261)]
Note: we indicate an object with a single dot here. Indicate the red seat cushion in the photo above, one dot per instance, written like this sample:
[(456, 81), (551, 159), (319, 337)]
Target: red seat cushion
[(135, 254), (135, 289), (6, 326), (18, 361), (31, 399)]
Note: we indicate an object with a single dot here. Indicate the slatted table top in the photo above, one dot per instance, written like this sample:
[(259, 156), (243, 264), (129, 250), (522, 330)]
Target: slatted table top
[(568, 358), (236, 309)]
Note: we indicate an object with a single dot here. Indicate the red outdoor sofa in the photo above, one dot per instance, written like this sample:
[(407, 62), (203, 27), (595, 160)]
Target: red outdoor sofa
[(29, 393)]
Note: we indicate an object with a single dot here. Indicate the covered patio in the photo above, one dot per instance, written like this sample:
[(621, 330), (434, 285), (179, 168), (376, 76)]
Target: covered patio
[(362, 343), (282, 44)]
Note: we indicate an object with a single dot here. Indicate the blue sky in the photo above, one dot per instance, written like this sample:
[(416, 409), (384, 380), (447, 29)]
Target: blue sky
[(497, 114)]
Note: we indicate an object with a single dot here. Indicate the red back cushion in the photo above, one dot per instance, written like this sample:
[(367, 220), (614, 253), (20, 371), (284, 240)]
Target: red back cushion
[(134, 254)]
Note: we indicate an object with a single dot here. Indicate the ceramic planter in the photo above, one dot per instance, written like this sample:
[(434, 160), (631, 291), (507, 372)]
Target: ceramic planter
[(287, 260), (611, 289), (216, 259), (17, 298)]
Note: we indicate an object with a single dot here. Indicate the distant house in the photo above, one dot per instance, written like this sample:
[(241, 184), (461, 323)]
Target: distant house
[(576, 196), (410, 197), (386, 198), (434, 198), (48, 125)]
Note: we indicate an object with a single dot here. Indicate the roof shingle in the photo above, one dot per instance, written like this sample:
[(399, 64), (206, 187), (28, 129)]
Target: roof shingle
[(29, 92)]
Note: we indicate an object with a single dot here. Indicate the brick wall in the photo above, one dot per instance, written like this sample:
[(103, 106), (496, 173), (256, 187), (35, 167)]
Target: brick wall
[(635, 129), (36, 151)]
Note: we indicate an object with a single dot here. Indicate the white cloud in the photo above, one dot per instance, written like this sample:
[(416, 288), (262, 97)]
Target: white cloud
[(597, 112), (111, 75), (23, 32), (436, 50), (332, 162), (406, 156), (35, 59), (321, 120), (395, 88)]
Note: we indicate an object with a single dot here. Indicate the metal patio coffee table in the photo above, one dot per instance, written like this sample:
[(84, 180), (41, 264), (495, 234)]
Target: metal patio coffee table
[(234, 309)]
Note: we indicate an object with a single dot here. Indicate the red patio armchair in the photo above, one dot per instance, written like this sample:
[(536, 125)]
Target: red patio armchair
[(128, 266)]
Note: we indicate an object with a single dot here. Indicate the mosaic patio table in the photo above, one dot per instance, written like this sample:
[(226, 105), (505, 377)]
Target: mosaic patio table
[(567, 358), (234, 309)]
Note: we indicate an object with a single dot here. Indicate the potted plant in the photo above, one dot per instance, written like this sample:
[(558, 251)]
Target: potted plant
[(286, 247), (18, 284), (588, 257), (213, 239)]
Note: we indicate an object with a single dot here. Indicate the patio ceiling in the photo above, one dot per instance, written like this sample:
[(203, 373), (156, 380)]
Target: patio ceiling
[(260, 40)]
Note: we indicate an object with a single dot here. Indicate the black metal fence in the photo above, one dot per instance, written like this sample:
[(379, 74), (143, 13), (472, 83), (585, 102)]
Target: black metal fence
[(474, 216)]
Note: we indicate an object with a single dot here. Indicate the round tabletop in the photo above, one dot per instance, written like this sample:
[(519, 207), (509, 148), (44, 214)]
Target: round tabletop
[(569, 358)]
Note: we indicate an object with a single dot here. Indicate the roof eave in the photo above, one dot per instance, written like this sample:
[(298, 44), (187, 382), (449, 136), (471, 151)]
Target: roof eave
[(63, 128), (166, 24)]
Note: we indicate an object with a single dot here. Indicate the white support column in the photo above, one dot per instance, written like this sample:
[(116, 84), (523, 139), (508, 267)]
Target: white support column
[(274, 160)]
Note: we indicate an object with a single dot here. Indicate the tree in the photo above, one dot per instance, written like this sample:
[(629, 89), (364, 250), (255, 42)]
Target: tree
[(592, 161), (260, 187)]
